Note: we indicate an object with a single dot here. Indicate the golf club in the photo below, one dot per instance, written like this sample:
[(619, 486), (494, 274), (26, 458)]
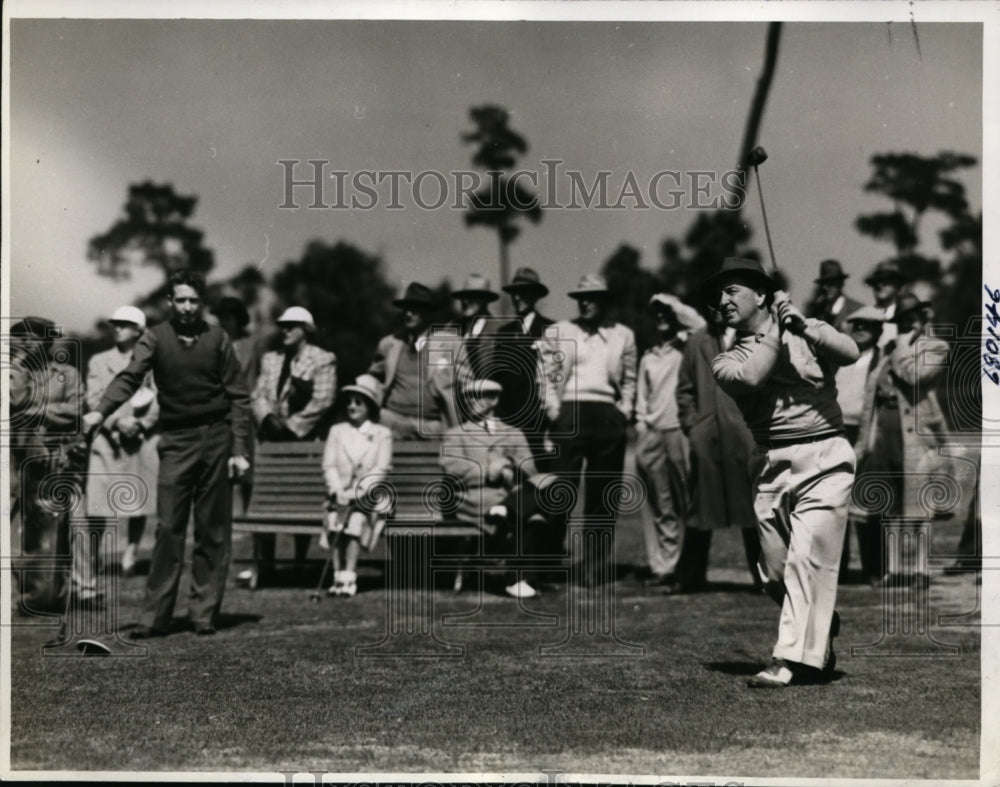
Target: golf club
[(317, 594), (755, 158)]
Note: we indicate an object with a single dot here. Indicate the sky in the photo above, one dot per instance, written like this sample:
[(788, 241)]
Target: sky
[(211, 106)]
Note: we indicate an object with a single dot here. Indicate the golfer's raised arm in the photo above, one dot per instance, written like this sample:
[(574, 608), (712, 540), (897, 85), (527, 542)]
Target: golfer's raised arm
[(746, 366)]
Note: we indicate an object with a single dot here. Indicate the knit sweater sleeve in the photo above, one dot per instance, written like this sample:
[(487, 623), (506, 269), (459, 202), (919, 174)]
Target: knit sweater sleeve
[(129, 379)]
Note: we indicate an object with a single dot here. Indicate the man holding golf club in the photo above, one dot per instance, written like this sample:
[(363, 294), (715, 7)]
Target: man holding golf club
[(205, 423), (780, 371)]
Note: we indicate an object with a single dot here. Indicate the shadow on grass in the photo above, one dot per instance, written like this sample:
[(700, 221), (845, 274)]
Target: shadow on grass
[(223, 621), (748, 668), (733, 667)]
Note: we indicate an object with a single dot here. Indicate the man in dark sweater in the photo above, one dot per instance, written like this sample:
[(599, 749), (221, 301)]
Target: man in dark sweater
[(205, 422)]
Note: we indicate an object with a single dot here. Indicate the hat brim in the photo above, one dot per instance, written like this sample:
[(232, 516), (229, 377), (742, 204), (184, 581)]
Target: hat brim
[(487, 295), (587, 293), (527, 286), (879, 277), (895, 318), (355, 389), (408, 303), (715, 282), (837, 277)]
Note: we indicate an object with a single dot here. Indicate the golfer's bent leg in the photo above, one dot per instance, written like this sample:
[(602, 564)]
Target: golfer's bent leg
[(213, 518), (178, 472), (822, 476)]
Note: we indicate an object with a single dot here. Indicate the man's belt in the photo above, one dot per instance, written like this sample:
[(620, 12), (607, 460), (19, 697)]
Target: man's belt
[(191, 421), (781, 442)]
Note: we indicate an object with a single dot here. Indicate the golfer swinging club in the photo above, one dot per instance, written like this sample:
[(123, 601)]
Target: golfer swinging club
[(780, 371)]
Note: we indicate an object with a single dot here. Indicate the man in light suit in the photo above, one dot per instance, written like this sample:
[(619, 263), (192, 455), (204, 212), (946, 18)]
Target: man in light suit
[(416, 367), (294, 390), (517, 362), (498, 480), (590, 363)]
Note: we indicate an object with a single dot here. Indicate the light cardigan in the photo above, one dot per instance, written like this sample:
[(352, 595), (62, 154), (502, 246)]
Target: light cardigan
[(785, 386), (611, 379)]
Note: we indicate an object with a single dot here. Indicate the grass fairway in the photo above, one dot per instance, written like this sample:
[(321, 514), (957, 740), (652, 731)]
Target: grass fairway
[(279, 688)]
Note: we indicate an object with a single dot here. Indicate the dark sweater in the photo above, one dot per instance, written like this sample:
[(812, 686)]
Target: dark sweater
[(197, 384)]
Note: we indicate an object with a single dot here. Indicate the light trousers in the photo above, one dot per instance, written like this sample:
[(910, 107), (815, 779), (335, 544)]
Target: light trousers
[(801, 496)]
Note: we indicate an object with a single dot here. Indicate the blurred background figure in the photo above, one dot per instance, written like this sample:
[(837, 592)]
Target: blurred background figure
[(661, 448), (886, 281), (234, 318), (479, 329), (590, 362), (902, 425), (829, 303), (418, 400), (864, 325), (295, 389), (125, 443), (46, 402), (517, 364), (721, 466), (358, 454)]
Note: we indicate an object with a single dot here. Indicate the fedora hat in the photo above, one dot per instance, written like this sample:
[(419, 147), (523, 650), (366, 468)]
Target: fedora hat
[(527, 279), (905, 303), (590, 284), (830, 270), (476, 286), (883, 271), (36, 328), (867, 314), (416, 295), (367, 386), (738, 268)]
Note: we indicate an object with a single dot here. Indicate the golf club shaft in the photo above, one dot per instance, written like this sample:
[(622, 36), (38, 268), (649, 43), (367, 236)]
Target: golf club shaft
[(767, 228)]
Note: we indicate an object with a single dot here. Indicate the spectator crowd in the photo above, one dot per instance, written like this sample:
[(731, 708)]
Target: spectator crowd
[(526, 411)]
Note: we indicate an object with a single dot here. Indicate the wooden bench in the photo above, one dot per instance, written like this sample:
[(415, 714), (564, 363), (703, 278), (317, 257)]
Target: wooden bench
[(289, 491)]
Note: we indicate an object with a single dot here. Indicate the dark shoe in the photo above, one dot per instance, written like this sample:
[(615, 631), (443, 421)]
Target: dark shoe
[(146, 632), (204, 629), (658, 580), (682, 588), (776, 675), (831, 655)]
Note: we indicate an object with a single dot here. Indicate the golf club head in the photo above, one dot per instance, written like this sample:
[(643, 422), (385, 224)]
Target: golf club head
[(314, 597), (756, 157), (93, 647)]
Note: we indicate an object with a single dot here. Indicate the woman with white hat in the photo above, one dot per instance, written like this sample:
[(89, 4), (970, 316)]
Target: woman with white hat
[(125, 446), (357, 456)]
